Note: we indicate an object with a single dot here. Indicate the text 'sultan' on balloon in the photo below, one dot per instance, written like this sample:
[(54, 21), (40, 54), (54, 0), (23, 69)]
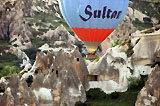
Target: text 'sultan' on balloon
[(93, 20)]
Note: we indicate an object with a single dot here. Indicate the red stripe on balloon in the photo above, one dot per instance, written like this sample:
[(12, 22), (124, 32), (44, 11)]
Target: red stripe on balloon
[(92, 35)]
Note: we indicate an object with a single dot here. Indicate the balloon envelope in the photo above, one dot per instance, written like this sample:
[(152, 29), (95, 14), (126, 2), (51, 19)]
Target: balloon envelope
[(93, 20)]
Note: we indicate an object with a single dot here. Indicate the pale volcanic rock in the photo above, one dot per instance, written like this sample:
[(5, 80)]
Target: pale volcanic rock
[(60, 34), (150, 94), (105, 45), (43, 62), (113, 70), (17, 93), (146, 48), (12, 24), (46, 6), (80, 67), (57, 79), (63, 80), (130, 59), (21, 55)]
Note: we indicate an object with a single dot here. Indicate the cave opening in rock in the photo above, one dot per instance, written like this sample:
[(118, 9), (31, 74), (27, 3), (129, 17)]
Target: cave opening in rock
[(57, 73), (93, 77), (77, 59), (52, 70), (8, 9), (36, 71), (0, 14), (29, 80)]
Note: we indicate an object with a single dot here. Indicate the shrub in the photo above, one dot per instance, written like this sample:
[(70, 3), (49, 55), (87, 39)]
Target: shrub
[(135, 83), (31, 53), (116, 42), (79, 45), (9, 70), (97, 59), (115, 95), (80, 104), (140, 25), (130, 51), (96, 94), (2, 90)]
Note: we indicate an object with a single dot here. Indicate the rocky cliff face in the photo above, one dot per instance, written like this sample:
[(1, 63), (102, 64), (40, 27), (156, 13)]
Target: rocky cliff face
[(146, 48), (58, 78), (12, 24), (59, 34), (138, 17), (131, 59), (17, 93), (80, 67), (141, 14), (150, 94)]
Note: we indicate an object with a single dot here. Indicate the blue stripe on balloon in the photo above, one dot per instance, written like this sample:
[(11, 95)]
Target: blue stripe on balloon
[(72, 8)]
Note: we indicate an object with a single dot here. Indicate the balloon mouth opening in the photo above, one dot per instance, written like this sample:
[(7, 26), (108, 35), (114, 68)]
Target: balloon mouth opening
[(92, 46)]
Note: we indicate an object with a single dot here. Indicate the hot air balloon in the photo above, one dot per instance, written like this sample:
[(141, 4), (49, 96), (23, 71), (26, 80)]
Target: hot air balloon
[(93, 20)]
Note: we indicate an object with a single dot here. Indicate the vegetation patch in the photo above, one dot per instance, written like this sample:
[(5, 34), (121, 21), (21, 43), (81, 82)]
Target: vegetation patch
[(38, 42), (98, 98), (2, 90), (116, 42), (97, 59), (31, 53), (135, 83), (141, 26), (9, 63), (9, 70), (151, 9)]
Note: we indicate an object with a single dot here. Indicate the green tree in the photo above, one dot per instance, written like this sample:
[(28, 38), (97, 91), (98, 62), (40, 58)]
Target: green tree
[(9, 70)]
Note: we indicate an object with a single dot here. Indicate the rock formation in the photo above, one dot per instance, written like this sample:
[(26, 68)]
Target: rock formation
[(21, 55), (139, 16), (148, 44), (150, 93), (112, 71), (47, 6), (80, 67), (125, 29), (12, 24), (59, 74), (59, 78), (60, 34), (133, 58), (17, 93)]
